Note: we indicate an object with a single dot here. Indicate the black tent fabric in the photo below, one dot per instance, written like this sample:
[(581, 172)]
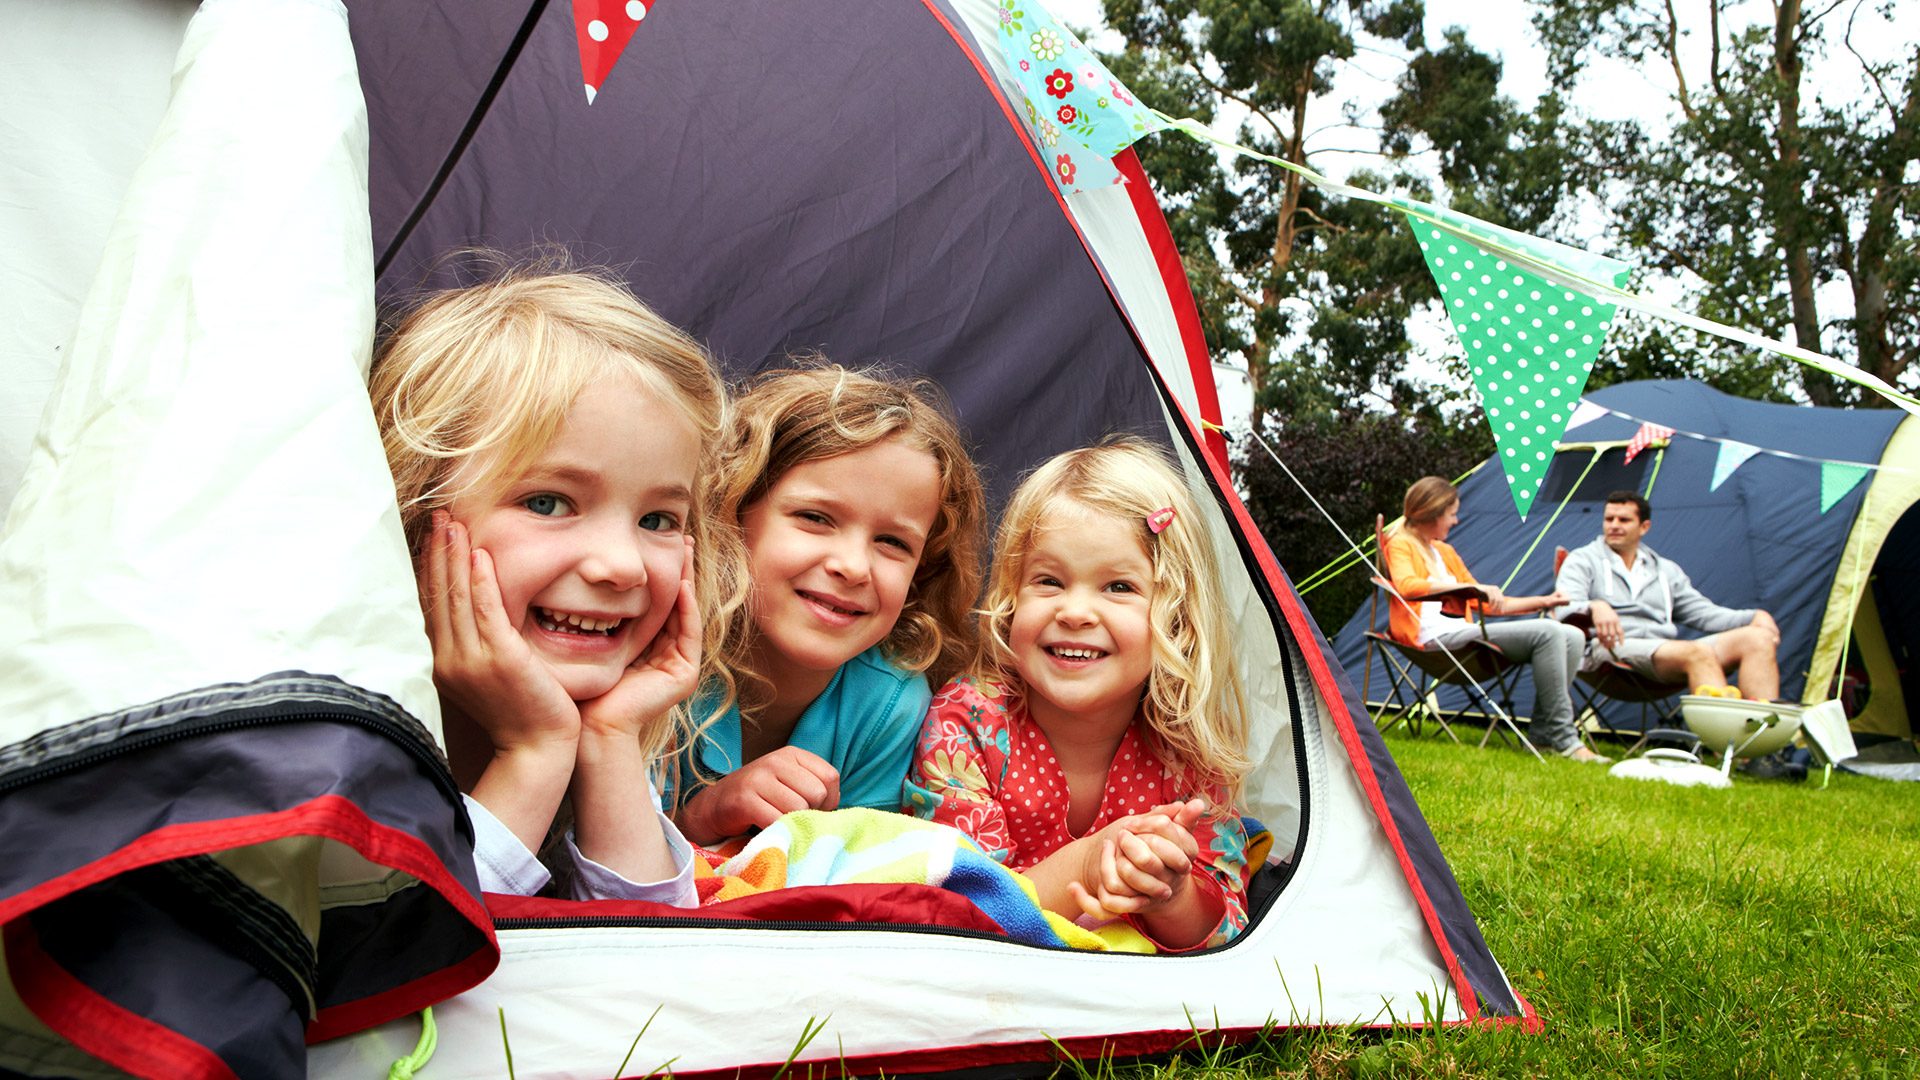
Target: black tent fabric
[(1758, 541), (710, 180)]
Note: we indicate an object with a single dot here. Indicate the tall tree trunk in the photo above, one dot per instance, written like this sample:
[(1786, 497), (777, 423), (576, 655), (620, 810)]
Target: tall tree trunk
[(1789, 193), (1285, 228), (1867, 270)]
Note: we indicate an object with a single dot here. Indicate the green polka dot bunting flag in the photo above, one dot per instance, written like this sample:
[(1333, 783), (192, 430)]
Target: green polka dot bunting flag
[(1531, 344)]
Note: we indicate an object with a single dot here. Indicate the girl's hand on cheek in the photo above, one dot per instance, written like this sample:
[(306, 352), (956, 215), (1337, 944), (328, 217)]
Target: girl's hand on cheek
[(480, 663), (757, 793), (663, 675)]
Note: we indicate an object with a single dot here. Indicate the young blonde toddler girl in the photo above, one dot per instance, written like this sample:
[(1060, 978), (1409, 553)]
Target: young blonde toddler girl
[(1099, 744)]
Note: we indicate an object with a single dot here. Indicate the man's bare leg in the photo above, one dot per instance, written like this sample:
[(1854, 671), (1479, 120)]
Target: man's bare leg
[(1691, 661), (1750, 649)]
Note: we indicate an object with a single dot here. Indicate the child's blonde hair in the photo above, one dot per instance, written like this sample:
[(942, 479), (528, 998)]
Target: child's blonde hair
[(485, 375), (787, 418), (1194, 703)]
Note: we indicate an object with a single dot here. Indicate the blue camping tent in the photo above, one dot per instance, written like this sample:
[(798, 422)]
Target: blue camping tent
[(1760, 539)]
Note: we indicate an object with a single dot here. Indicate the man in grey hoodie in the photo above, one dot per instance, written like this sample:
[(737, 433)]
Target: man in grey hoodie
[(1638, 601)]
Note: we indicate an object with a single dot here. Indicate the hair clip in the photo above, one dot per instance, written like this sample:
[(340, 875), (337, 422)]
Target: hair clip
[(1158, 521)]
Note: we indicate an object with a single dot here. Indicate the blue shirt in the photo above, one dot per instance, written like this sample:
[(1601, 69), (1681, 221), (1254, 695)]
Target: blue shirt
[(864, 724)]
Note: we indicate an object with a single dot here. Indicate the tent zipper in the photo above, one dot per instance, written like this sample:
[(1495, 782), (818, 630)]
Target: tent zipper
[(429, 761)]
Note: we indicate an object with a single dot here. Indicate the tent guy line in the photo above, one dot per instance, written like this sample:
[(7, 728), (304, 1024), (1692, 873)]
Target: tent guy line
[(1491, 237), (1724, 440), (1386, 583)]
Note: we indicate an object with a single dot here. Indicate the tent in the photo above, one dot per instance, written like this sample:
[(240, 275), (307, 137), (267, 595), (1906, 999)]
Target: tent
[(1781, 531), (851, 177)]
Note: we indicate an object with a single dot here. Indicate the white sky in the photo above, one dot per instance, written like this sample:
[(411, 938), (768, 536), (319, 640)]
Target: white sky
[(1609, 90)]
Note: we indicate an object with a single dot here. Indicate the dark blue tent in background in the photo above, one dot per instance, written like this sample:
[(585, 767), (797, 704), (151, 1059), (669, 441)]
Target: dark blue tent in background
[(1759, 540)]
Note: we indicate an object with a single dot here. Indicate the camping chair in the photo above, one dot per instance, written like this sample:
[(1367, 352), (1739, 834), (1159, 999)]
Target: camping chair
[(1616, 681), (1415, 673)]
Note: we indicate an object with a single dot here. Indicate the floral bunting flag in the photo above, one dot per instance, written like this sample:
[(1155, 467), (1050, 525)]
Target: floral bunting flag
[(1531, 344), (604, 27), (1732, 456), (1836, 479), (1079, 113)]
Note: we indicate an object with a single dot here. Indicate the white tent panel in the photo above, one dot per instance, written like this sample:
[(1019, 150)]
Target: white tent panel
[(208, 473)]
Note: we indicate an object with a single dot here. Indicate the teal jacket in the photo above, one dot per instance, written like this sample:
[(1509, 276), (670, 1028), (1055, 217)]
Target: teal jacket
[(865, 724)]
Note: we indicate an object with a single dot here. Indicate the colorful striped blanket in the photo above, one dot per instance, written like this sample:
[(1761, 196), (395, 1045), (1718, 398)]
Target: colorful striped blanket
[(857, 846)]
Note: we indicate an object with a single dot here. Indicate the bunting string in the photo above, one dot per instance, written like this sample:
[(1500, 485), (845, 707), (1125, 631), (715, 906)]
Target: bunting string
[(1531, 314), (1746, 446), (1380, 572)]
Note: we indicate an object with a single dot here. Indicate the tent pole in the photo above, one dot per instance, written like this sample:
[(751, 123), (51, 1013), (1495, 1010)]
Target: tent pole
[(1556, 516)]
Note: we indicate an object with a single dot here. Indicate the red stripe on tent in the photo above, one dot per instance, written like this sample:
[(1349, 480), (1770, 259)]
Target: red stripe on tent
[(1290, 608), (331, 817), (126, 1040), (1013, 121), (1173, 274), (1132, 1044), (1060, 200), (906, 904)]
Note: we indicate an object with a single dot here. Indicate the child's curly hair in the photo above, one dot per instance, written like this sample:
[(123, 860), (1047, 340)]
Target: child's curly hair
[(472, 383), (1194, 703), (819, 410)]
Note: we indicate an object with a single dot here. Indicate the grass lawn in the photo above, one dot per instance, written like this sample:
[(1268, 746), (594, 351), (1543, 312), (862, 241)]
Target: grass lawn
[(1770, 930)]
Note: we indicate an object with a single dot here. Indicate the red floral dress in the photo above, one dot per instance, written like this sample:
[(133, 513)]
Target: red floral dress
[(983, 767)]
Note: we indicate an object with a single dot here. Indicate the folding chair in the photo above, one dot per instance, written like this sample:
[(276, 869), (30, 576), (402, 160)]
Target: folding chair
[(1416, 673), (1617, 681)]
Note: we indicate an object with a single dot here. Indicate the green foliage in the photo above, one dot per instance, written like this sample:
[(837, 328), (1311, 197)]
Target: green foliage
[(1357, 466), (1762, 193)]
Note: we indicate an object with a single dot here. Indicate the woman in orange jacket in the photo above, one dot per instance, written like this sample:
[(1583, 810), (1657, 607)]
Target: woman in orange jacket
[(1421, 562)]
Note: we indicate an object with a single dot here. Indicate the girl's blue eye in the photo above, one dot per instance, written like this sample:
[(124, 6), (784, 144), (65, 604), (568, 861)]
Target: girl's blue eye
[(545, 504), (657, 522)]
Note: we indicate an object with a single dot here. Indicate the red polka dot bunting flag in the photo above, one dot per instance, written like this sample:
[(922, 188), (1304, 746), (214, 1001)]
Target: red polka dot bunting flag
[(1531, 344), (604, 27)]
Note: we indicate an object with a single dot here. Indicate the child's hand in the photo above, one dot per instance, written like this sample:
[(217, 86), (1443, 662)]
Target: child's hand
[(757, 793), (1141, 863), (480, 663), (662, 676)]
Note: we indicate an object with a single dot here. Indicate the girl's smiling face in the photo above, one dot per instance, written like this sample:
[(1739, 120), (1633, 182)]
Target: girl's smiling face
[(1081, 632), (587, 539), (832, 548)]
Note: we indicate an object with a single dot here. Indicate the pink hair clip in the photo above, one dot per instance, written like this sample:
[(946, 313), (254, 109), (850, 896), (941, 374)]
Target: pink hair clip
[(1158, 521)]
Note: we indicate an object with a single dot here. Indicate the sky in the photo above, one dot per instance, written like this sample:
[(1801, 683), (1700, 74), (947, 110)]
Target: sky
[(1611, 90)]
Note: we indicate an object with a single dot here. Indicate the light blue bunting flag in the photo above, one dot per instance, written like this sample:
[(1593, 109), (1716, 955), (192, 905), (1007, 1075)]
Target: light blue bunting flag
[(1732, 456), (1836, 479)]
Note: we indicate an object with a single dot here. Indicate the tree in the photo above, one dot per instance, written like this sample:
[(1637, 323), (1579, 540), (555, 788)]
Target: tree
[(1316, 293), (1758, 196), (1362, 470)]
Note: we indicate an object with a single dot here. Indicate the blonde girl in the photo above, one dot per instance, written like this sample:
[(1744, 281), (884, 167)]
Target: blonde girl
[(1099, 744), (860, 511), (547, 435)]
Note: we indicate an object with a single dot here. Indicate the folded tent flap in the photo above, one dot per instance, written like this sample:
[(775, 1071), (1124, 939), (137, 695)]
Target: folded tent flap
[(230, 824)]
